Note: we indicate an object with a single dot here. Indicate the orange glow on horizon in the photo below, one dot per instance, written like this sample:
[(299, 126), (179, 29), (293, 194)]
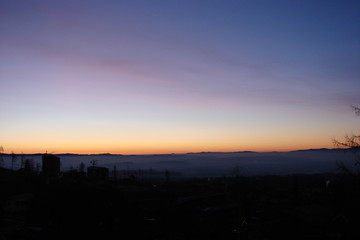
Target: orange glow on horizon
[(151, 141), (163, 150)]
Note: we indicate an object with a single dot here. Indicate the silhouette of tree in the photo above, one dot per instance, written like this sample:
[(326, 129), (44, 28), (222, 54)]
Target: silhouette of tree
[(356, 110), (22, 160), (351, 142), (29, 164), (13, 160), (82, 167)]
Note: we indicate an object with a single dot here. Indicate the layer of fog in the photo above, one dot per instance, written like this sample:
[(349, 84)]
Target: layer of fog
[(209, 164)]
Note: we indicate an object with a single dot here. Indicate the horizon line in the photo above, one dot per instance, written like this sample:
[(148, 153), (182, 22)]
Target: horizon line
[(171, 153)]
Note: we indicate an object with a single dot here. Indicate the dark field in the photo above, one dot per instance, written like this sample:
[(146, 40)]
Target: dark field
[(323, 206)]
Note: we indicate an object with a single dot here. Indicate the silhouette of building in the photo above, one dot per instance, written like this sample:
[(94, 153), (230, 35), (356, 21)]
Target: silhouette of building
[(99, 173), (50, 165)]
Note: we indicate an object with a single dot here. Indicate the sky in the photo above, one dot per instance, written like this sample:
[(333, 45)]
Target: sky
[(167, 76)]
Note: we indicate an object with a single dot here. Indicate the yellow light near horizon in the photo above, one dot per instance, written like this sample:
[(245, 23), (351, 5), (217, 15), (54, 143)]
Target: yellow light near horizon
[(159, 146), (144, 139)]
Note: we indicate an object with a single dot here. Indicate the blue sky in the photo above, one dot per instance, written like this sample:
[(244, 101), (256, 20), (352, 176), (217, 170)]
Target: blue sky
[(177, 76)]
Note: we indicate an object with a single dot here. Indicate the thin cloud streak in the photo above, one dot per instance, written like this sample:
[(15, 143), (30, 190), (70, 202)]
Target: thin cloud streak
[(221, 73)]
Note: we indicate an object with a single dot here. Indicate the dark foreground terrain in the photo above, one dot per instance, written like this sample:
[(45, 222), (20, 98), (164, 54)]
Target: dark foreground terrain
[(322, 206)]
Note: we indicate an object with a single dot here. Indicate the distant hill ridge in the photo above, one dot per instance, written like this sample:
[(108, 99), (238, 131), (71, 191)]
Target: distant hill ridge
[(189, 153)]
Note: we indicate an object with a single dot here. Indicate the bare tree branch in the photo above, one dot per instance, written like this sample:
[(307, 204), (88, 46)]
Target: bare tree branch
[(351, 142), (356, 110)]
